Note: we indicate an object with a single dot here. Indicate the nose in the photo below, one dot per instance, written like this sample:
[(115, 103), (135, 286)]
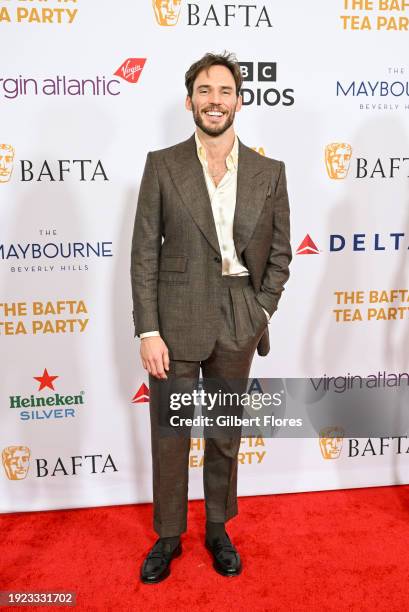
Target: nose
[(214, 97)]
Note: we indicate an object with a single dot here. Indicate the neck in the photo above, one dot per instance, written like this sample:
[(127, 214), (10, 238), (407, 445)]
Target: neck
[(217, 147)]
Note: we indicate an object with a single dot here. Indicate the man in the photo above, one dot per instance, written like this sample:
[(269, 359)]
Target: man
[(210, 257)]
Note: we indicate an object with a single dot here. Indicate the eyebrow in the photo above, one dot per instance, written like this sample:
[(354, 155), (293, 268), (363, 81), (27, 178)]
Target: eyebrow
[(229, 87)]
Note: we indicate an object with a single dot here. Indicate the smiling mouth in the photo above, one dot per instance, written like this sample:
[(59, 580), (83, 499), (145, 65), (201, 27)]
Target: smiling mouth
[(214, 114)]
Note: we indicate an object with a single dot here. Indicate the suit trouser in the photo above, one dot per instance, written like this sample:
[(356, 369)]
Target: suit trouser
[(242, 324)]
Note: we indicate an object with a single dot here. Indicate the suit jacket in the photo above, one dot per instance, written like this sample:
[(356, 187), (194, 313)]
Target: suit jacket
[(176, 261)]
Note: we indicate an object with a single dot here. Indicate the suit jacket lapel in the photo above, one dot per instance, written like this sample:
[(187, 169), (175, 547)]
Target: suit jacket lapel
[(252, 185), (187, 175)]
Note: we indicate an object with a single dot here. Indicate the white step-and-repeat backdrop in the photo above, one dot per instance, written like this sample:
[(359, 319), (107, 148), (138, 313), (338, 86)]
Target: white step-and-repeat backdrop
[(87, 88)]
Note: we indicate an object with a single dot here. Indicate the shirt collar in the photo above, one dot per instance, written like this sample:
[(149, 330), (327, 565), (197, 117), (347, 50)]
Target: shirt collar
[(231, 160)]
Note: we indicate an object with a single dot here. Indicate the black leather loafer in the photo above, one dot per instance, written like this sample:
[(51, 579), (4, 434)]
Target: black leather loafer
[(156, 566), (226, 559)]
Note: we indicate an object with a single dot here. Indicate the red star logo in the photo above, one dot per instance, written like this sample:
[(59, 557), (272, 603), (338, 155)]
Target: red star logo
[(45, 380)]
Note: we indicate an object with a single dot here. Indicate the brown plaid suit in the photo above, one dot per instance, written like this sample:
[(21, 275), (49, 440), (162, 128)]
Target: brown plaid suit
[(207, 320)]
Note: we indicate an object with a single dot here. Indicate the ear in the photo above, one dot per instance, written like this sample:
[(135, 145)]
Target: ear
[(239, 103), (188, 103)]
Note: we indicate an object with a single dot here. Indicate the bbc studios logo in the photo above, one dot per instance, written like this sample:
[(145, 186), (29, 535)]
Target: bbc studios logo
[(258, 88)]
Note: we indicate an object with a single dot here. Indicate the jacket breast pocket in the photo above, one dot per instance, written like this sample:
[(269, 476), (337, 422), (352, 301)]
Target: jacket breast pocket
[(173, 269)]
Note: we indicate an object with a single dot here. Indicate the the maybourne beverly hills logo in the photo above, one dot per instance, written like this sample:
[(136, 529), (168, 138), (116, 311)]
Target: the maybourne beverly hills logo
[(388, 90), (330, 440), (6, 162), (168, 13), (49, 252), (46, 406)]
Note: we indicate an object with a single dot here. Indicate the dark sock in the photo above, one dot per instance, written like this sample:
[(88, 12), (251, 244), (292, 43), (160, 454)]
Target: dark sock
[(214, 530), (171, 542)]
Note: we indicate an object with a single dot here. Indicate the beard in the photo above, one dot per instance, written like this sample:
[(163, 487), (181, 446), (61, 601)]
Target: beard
[(215, 130)]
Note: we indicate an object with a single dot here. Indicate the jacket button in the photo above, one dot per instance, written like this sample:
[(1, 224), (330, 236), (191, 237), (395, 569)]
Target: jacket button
[(218, 259)]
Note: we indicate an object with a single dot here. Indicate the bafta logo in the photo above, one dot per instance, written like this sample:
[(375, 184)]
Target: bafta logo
[(16, 461), (6, 162), (337, 159), (166, 11), (331, 439)]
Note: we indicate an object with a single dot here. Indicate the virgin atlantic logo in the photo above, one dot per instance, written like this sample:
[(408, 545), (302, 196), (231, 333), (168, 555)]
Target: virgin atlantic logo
[(131, 69)]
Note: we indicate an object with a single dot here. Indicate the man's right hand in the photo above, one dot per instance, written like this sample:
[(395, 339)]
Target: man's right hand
[(155, 356)]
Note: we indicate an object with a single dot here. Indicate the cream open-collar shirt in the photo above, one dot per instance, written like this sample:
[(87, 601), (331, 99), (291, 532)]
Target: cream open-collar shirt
[(223, 202)]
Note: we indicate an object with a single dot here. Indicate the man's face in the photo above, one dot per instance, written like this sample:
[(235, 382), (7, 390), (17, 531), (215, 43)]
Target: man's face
[(166, 11), (214, 101)]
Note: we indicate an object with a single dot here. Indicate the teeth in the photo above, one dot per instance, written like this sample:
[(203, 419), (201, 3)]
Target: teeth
[(214, 113)]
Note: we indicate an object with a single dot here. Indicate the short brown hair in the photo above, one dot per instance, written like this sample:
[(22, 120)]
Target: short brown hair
[(226, 59)]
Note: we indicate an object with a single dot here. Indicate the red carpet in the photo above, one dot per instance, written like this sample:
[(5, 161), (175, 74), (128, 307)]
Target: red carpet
[(338, 550)]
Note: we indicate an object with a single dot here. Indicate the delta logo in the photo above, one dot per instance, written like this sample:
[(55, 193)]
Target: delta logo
[(387, 242), (167, 13), (44, 405), (142, 395), (307, 247), (339, 163)]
